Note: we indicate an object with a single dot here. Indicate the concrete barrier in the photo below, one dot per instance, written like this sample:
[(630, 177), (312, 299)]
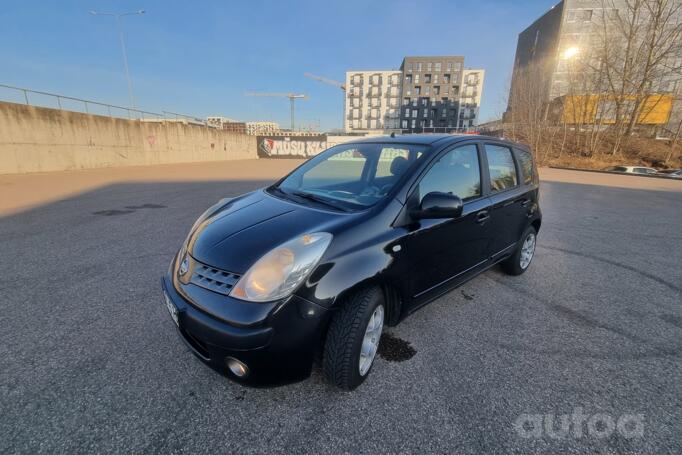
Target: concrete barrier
[(37, 139)]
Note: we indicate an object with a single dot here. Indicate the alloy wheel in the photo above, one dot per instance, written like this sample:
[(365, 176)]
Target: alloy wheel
[(370, 342)]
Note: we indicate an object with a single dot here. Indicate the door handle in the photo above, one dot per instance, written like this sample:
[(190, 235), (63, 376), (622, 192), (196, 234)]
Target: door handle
[(525, 202), (482, 216)]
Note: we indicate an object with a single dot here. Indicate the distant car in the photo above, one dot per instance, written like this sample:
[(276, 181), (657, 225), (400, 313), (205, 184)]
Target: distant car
[(632, 170), (673, 173), (356, 238)]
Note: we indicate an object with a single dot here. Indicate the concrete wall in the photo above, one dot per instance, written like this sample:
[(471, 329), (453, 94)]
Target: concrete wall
[(36, 139)]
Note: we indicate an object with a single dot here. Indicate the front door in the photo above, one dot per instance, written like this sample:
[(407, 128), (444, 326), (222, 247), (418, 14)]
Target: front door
[(443, 250)]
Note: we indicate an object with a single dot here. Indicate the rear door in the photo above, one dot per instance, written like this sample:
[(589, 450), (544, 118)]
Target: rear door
[(509, 199)]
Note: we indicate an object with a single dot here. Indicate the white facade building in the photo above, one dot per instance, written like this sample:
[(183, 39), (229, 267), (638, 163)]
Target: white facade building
[(372, 101), (470, 97)]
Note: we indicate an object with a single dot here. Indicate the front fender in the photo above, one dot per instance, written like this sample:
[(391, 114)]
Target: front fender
[(377, 264)]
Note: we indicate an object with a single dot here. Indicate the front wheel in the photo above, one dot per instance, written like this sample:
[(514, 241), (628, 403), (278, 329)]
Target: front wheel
[(522, 257), (353, 339)]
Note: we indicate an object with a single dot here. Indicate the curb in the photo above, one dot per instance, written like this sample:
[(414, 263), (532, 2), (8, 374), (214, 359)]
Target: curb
[(651, 176)]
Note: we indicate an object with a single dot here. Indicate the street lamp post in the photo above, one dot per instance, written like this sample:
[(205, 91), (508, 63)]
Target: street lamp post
[(118, 17)]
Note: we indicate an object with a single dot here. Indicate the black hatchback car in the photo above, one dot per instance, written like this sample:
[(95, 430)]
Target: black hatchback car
[(356, 238)]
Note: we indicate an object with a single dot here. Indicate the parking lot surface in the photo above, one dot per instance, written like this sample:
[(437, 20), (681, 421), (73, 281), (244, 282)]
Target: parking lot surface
[(90, 360)]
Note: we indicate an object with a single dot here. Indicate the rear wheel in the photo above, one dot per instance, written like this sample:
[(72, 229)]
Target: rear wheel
[(522, 257), (353, 339)]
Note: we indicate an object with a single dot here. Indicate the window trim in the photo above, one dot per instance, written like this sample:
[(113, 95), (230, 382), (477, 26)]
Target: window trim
[(487, 167), (516, 152)]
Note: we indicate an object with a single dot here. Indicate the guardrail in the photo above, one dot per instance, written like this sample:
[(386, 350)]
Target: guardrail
[(90, 106)]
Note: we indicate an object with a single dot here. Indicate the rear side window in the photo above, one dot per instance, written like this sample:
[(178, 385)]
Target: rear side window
[(501, 166), (457, 172), (526, 165)]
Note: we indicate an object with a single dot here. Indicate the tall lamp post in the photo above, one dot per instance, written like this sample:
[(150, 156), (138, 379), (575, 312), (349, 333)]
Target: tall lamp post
[(118, 17)]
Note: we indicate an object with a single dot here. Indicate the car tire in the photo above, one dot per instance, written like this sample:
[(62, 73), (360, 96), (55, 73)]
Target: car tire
[(344, 363), (520, 261)]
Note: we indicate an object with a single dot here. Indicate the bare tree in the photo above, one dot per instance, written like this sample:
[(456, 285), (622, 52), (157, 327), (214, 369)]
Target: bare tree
[(637, 42)]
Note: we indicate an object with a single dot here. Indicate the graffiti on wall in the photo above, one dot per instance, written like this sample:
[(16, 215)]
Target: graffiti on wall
[(290, 147)]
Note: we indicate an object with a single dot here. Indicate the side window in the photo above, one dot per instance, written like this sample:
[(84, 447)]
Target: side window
[(501, 166), (526, 164), (457, 172)]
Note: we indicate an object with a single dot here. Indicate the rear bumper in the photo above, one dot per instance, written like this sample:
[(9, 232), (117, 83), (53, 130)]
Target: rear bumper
[(277, 349)]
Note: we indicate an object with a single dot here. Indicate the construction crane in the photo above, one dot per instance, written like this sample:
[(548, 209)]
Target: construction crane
[(327, 81), (292, 98)]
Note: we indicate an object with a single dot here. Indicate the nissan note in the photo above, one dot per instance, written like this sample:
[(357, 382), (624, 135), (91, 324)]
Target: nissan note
[(313, 267)]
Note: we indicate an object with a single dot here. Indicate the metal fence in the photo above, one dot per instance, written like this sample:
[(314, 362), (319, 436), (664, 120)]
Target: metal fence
[(69, 103)]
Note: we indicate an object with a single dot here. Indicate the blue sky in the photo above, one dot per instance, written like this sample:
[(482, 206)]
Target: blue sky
[(200, 57)]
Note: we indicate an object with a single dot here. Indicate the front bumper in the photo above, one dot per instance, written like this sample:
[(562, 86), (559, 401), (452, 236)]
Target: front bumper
[(278, 346)]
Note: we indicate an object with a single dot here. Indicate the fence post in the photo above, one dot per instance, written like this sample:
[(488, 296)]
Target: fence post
[(86, 107), (59, 102), (109, 109), (26, 96)]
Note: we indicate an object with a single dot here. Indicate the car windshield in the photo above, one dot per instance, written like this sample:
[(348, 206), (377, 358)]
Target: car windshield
[(350, 176)]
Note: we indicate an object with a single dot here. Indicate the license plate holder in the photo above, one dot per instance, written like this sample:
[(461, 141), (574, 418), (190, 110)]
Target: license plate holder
[(172, 309)]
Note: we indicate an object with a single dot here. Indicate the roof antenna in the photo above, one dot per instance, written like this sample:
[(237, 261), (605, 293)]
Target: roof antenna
[(393, 134)]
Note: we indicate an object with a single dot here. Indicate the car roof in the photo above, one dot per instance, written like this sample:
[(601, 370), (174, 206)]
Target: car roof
[(428, 139)]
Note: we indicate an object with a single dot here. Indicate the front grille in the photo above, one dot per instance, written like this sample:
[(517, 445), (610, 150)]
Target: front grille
[(213, 279)]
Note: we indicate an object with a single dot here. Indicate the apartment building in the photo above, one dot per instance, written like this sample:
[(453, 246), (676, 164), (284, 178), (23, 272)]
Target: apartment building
[(560, 55), (372, 100), (430, 93), (470, 97), (425, 95)]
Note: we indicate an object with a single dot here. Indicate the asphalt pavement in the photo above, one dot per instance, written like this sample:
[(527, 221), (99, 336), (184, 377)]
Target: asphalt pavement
[(590, 336)]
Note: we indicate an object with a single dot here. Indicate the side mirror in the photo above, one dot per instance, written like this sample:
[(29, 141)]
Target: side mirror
[(438, 205)]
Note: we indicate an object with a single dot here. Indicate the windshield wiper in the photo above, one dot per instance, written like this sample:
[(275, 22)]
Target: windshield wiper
[(316, 198)]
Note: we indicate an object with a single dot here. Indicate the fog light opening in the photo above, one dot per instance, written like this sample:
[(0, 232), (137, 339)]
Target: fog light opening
[(237, 368)]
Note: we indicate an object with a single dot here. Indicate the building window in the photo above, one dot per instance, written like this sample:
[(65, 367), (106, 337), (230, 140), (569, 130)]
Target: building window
[(409, 67), (435, 78), (455, 89), (418, 65), (408, 79), (404, 124), (406, 101), (427, 78), (457, 66), (427, 90), (415, 113), (444, 113), (436, 90), (449, 66), (414, 102), (428, 66), (417, 90), (416, 78), (408, 92), (434, 113), (437, 67), (579, 15), (414, 124), (407, 112), (425, 113), (446, 78), (424, 101), (445, 101)]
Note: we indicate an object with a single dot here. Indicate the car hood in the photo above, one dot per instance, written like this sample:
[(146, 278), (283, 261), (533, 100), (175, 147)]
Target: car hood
[(243, 229)]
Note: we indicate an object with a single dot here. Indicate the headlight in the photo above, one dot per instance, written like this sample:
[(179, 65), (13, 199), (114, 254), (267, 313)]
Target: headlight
[(277, 274)]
